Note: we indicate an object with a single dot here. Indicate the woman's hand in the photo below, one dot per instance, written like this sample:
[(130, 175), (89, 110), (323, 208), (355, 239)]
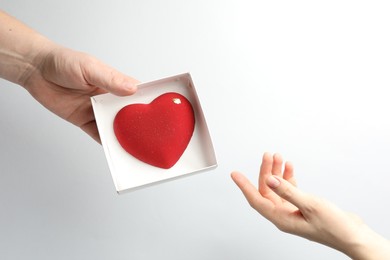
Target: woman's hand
[(293, 211)]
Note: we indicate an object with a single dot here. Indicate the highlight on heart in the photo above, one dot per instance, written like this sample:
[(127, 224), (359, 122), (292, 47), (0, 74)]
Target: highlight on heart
[(157, 133)]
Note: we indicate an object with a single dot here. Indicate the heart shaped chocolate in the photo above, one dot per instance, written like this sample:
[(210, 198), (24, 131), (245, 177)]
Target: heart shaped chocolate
[(157, 133)]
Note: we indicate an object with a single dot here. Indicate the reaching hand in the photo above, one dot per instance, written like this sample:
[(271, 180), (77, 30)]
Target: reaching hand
[(296, 212)]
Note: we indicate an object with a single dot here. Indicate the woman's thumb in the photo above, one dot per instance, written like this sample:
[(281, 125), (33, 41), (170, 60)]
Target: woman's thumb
[(287, 191)]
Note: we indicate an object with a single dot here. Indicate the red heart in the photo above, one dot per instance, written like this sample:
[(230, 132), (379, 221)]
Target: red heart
[(157, 133)]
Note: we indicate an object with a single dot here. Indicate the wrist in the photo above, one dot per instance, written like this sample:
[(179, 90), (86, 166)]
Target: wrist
[(39, 50), (369, 245), (21, 49), (17, 65)]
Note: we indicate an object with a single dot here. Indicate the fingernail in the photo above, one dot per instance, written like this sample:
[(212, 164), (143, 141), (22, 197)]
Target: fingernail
[(273, 182), (130, 86)]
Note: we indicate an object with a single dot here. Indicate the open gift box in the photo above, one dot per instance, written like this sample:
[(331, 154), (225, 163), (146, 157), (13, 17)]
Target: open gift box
[(128, 172)]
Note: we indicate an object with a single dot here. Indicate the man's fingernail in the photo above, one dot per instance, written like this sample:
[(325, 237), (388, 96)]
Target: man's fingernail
[(130, 86), (273, 182)]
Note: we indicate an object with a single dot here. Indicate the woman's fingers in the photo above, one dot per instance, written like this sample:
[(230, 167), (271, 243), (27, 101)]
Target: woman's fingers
[(252, 195)]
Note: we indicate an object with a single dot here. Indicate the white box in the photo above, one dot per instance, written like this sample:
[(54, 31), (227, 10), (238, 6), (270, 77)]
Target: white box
[(129, 173)]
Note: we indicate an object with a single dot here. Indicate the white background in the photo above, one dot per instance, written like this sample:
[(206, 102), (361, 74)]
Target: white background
[(308, 79)]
